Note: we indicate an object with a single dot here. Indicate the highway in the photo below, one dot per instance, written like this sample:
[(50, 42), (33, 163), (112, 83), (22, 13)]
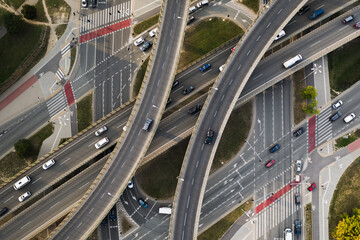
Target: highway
[(217, 109), (189, 77), (133, 143), (222, 184), (183, 113)]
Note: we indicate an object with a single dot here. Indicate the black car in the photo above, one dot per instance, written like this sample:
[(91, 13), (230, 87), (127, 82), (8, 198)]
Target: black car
[(274, 148), (209, 136), (335, 117), (168, 101), (3, 211), (191, 19), (195, 109), (104, 221), (297, 198), (299, 132), (304, 9), (297, 226), (112, 214), (188, 90), (175, 83), (146, 46)]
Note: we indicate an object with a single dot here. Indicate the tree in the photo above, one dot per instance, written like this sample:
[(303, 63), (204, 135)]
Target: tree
[(309, 93), (29, 11), (348, 227), (310, 108), (13, 23), (24, 148)]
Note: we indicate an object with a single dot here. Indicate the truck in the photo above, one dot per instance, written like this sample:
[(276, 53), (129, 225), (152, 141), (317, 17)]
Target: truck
[(315, 14), (165, 210), (292, 61)]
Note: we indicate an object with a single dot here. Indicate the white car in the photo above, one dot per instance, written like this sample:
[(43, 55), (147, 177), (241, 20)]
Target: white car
[(130, 184), (102, 143), (349, 117), (139, 41), (48, 164), (24, 196), (298, 166), (101, 131), (84, 3), (153, 32), (337, 104), (280, 35), (221, 68)]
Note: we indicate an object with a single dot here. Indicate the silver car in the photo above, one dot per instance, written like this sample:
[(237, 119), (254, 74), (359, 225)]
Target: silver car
[(48, 164), (337, 104), (101, 131), (24, 196)]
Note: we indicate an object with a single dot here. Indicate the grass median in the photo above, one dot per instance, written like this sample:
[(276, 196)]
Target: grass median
[(234, 136), (146, 24), (346, 196), (205, 36), (298, 84), (222, 226), (344, 66), (308, 221), (84, 112), (140, 77)]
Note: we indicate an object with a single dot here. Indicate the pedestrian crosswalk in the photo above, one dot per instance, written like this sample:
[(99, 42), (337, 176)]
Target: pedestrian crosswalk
[(60, 74), (323, 126), (56, 104), (104, 17), (65, 49), (278, 215)]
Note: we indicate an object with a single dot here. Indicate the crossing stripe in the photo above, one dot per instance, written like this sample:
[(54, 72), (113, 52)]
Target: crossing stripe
[(274, 197), (106, 30)]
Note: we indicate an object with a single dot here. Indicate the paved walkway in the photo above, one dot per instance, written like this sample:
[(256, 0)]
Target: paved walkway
[(329, 177)]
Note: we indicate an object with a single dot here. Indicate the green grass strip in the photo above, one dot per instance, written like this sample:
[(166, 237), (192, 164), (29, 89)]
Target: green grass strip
[(344, 65), (146, 24), (222, 226), (84, 112), (205, 36)]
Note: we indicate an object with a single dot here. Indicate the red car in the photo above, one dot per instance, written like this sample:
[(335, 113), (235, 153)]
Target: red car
[(270, 163), (232, 49), (357, 25), (312, 187)]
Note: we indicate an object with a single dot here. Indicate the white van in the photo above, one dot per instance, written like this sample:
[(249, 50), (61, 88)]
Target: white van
[(192, 9), (292, 61), (22, 182), (101, 143), (288, 234), (165, 210)]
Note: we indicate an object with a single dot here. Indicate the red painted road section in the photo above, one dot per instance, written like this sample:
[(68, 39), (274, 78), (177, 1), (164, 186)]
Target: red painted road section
[(354, 146), (312, 126), (17, 92), (274, 197), (105, 30), (69, 93)]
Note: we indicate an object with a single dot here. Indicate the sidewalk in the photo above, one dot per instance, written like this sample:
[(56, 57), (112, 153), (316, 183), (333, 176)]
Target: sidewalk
[(33, 87), (329, 177)]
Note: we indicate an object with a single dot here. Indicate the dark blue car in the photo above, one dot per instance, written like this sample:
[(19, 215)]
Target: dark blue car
[(205, 67), (274, 148)]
